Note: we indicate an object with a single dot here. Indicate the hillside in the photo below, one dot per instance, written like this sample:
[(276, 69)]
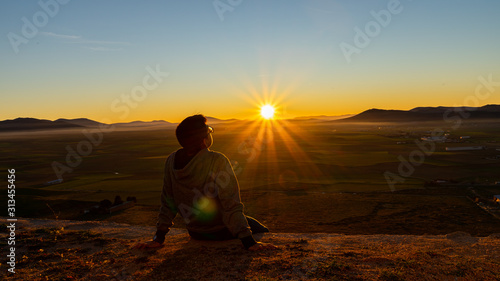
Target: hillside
[(25, 124), (30, 124), (81, 250), (85, 122), (420, 114)]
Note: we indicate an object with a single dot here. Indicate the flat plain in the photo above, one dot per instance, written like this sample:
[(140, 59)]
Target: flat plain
[(295, 176)]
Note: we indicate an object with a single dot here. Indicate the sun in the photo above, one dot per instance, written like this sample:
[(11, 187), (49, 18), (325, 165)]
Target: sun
[(267, 111)]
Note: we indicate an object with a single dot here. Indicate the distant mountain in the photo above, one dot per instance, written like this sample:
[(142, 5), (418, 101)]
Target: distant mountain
[(149, 122), (322, 117), (439, 109), (143, 123), (81, 122), (25, 124), (213, 120), (417, 114), (425, 114)]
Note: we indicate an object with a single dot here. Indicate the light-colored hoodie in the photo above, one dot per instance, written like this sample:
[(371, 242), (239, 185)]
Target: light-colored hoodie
[(205, 192)]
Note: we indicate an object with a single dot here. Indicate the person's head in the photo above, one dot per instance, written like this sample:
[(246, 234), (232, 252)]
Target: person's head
[(194, 134)]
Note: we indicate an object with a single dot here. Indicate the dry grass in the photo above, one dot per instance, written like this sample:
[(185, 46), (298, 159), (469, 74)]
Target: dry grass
[(66, 250)]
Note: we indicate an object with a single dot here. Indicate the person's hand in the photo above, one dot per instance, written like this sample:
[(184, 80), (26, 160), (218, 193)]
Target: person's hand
[(262, 247), (147, 245)]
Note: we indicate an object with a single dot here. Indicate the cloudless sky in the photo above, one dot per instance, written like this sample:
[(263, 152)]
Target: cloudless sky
[(90, 56)]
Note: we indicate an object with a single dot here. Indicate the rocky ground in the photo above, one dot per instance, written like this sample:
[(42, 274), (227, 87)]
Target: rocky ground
[(79, 250)]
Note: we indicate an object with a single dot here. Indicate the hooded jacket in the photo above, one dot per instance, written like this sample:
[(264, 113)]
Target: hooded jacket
[(206, 193)]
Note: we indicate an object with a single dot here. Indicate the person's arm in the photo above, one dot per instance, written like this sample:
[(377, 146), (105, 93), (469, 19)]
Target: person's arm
[(167, 213), (229, 195), (168, 210)]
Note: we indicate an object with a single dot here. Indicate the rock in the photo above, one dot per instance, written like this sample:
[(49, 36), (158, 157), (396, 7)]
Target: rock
[(494, 236)]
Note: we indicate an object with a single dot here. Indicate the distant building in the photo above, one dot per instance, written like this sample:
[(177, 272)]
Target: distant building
[(465, 148), (496, 198), (464, 137), (436, 139)]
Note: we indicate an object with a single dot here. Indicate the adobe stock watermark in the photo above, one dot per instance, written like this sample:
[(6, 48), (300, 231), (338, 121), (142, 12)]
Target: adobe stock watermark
[(455, 116), (251, 147), (11, 220), (223, 6), (30, 28), (94, 137), (363, 37)]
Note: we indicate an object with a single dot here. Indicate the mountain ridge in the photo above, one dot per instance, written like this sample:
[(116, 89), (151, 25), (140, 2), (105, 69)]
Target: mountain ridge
[(490, 111), (27, 123), (422, 114), (30, 124)]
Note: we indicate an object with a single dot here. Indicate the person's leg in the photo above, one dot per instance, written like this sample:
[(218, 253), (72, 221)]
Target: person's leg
[(256, 226), (225, 234)]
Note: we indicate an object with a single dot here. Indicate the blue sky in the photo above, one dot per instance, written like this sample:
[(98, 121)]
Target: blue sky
[(92, 53)]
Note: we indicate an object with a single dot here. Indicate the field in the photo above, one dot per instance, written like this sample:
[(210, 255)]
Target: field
[(295, 176)]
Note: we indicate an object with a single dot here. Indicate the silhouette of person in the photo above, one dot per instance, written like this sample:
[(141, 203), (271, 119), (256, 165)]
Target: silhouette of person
[(200, 184)]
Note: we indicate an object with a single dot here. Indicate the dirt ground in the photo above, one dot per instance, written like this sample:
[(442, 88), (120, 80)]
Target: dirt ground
[(78, 250)]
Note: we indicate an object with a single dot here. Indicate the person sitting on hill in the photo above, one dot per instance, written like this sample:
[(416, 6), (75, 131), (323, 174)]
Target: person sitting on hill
[(200, 184)]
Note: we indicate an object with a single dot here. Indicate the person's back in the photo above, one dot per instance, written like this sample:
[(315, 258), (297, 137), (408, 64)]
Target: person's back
[(206, 194), (200, 185)]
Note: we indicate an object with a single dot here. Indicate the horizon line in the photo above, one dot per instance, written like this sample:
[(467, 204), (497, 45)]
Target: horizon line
[(248, 119)]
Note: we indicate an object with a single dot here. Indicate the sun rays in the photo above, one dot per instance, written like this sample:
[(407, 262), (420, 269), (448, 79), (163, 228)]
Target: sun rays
[(265, 141)]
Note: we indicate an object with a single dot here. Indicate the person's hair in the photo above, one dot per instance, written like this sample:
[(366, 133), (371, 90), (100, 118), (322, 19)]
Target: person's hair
[(192, 130)]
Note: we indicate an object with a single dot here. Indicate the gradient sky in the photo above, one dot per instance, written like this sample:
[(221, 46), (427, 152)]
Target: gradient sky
[(91, 53)]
